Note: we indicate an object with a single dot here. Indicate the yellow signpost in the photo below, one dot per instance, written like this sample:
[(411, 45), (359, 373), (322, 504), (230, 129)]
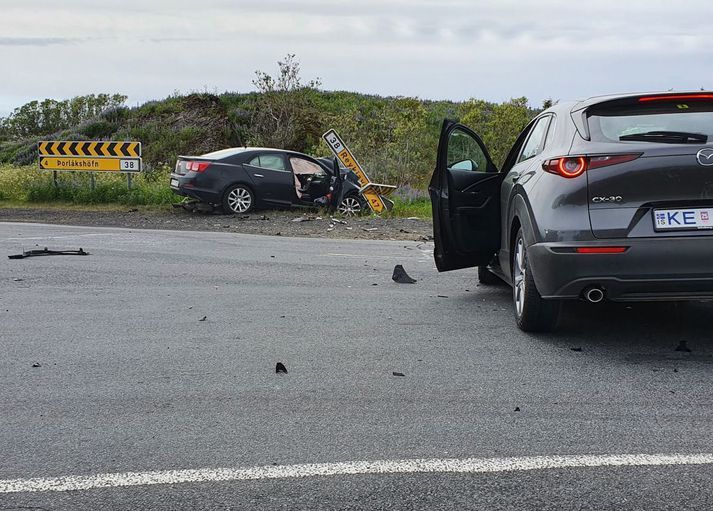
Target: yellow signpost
[(90, 149), (344, 155), (90, 156), (90, 164)]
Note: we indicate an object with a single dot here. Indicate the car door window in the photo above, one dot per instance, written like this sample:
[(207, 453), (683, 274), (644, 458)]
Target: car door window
[(302, 167), (269, 161), (305, 172), (535, 142), (550, 132), (464, 152)]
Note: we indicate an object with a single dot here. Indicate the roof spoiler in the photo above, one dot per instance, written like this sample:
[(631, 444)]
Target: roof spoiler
[(579, 111)]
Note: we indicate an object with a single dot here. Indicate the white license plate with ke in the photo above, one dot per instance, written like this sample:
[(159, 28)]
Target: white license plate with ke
[(174, 182), (680, 219)]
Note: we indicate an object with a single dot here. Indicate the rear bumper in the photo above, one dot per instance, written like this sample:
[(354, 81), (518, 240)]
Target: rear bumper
[(188, 186), (650, 269)]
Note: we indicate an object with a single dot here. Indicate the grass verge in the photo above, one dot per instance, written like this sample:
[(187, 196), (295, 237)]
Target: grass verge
[(29, 187)]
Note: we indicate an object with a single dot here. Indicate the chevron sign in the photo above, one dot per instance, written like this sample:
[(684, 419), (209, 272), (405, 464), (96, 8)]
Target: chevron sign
[(90, 156)]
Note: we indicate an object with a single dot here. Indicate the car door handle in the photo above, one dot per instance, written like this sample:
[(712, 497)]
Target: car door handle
[(514, 180), (258, 175)]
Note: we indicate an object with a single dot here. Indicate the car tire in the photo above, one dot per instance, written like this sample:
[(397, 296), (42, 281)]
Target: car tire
[(532, 312), (352, 205), (238, 199), (487, 277)]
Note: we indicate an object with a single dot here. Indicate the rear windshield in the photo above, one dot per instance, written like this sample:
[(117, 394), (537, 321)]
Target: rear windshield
[(223, 153), (609, 124)]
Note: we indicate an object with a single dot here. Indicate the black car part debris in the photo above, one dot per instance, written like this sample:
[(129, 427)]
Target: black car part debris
[(280, 368), (46, 252), (401, 277)]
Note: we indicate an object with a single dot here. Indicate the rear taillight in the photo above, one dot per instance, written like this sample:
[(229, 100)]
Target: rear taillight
[(197, 166), (573, 166), (570, 166)]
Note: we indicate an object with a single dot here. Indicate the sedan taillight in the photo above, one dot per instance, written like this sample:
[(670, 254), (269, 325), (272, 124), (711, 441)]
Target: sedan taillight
[(197, 166), (573, 166)]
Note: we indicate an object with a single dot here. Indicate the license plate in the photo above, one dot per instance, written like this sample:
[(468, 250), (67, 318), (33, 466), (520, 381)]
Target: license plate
[(683, 219), (174, 183)]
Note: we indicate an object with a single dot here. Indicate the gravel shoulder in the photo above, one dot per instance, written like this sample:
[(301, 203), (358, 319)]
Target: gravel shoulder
[(274, 223)]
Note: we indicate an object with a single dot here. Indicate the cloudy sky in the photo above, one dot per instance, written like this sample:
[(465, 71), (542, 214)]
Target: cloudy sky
[(436, 49)]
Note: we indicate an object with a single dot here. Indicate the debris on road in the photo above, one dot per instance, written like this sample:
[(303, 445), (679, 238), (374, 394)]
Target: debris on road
[(303, 219), (203, 318), (682, 346), (280, 368), (36, 364), (517, 408), (401, 277), (47, 252), (446, 296), (576, 349), (258, 223), (369, 229), (396, 373)]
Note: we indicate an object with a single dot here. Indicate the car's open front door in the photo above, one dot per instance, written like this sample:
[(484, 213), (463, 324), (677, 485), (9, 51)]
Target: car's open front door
[(465, 197)]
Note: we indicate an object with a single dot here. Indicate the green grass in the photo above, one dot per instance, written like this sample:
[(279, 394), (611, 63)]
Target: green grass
[(420, 208), (29, 186)]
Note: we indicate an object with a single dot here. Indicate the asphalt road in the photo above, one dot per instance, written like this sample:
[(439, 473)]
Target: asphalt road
[(132, 381)]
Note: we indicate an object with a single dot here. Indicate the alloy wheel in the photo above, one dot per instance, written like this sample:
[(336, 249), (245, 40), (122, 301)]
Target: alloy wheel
[(350, 206), (239, 200), (519, 270)]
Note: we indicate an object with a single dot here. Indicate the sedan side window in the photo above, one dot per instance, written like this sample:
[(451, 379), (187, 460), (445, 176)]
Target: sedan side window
[(305, 167), (269, 161), (536, 140), (464, 152)]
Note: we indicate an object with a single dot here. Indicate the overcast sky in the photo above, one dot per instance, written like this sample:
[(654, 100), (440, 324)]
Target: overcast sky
[(436, 49)]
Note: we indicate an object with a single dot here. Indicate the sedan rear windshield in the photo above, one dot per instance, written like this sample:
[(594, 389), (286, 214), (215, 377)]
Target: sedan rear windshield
[(667, 122), (223, 153)]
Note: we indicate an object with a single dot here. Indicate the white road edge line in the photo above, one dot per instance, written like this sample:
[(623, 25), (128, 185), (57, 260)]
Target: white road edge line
[(414, 466)]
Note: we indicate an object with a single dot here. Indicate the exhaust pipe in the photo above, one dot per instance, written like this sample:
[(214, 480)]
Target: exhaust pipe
[(594, 294)]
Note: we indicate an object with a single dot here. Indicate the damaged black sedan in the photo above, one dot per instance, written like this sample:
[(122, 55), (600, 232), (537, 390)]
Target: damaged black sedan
[(244, 178)]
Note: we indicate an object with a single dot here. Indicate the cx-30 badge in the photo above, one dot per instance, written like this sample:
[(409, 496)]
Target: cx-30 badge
[(613, 198), (705, 157)]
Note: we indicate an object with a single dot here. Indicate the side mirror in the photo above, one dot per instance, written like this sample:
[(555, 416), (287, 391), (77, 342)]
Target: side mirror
[(465, 165)]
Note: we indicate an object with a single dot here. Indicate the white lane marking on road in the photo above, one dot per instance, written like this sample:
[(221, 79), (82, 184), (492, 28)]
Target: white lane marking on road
[(359, 256), (69, 236), (415, 466)]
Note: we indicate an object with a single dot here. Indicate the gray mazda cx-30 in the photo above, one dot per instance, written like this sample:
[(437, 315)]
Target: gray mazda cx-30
[(605, 199)]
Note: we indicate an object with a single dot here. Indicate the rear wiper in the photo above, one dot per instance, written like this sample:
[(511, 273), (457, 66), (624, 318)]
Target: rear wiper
[(667, 137)]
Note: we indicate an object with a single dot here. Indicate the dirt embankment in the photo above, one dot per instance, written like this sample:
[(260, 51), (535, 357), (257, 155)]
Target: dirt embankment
[(275, 223)]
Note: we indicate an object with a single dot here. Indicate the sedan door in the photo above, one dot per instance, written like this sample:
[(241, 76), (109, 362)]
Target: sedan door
[(465, 198), (311, 179), (273, 180)]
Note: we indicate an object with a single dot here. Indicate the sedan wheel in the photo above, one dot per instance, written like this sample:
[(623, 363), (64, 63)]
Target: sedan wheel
[(351, 206), (238, 199), (532, 312)]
